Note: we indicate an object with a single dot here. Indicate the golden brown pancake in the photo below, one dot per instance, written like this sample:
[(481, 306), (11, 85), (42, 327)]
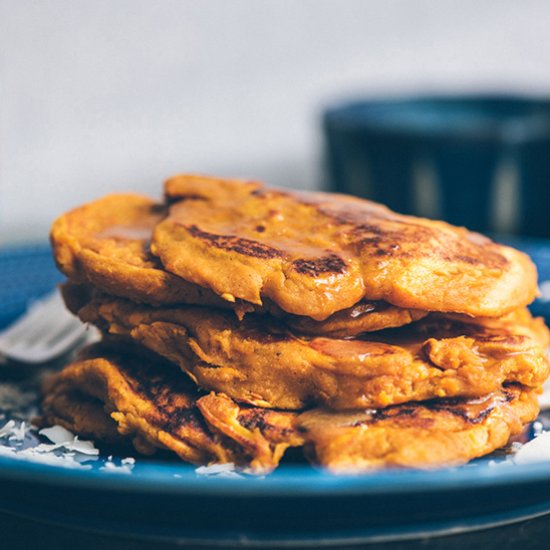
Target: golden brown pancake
[(115, 395), (123, 394), (448, 432), (259, 361), (313, 254), (106, 243)]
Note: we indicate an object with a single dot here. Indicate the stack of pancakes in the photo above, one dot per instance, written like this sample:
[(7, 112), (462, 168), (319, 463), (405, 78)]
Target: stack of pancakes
[(239, 321)]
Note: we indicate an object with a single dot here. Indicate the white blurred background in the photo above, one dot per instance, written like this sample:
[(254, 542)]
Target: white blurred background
[(119, 94)]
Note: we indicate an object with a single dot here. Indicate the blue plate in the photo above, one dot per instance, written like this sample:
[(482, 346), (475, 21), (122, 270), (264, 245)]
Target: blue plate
[(295, 506)]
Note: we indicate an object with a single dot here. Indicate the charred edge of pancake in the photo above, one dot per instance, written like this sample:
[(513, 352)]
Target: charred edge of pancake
[(231, 243), (314, 267), (384, 241), (158, 209), (174, 418), (150, 374), (157, 383), (160, 389), (452, 405), (255, 419)]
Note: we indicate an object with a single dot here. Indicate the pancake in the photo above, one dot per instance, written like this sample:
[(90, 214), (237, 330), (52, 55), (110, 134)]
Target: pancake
[(114, 395), (313, 254), (260, 362), (448, 432), (119, 394), (106, 243)]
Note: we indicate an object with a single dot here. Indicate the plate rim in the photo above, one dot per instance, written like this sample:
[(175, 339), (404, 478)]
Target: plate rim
[(287, 481)]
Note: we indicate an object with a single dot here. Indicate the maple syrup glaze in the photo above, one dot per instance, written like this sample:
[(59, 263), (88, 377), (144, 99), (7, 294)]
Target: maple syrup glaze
[(126, 232)]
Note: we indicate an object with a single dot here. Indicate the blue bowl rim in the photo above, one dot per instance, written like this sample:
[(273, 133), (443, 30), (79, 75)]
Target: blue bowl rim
[(341, 117)]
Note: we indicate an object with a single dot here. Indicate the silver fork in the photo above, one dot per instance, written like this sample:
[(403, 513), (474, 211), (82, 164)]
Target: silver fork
[(45, 331)]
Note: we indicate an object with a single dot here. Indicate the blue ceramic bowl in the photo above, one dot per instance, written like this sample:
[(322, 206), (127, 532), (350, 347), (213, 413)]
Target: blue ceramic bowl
[(479, 161)]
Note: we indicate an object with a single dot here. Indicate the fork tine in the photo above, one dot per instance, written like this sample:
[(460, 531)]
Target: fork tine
[(19, 328), (41, 334), (41, 354), (42, 311), (44, 332), (67, 327), (74, 335), (39, 330)]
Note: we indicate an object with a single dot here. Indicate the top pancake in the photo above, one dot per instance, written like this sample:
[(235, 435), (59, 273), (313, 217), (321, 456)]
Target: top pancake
[(106, 243), (314, 254)]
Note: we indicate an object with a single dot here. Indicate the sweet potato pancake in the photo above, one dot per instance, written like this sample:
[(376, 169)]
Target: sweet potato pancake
[(113, 395), (106, 243), (313, 254), (116, 394), (447, 432), (259, 361)]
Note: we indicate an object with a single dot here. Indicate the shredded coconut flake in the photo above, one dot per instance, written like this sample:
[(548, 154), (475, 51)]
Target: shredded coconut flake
[(112, 467), (218, 470), (44, 454), (63, 438), (18, 433), (215, 469), (537, 450), (82, 447), (538, 428), (57, 434), (7, 428)]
